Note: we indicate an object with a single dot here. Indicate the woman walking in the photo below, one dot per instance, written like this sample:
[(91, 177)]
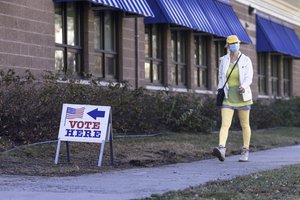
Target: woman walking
[(238, 96)]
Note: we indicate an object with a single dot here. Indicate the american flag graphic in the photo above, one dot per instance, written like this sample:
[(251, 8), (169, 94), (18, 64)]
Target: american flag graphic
[(73, 113)]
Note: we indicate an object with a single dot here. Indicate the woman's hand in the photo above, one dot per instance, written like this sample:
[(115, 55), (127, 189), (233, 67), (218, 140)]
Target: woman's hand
[(241, 90)]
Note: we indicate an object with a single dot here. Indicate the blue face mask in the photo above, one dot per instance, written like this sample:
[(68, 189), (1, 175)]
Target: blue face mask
[(234, 47)]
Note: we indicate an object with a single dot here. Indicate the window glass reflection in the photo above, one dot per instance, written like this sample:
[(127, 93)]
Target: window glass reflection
[(71, 24), (196, 77), (173, 74), (97, 32), (110, 66), (98, 67), (196, 56), (181, 48), (173, 49), (147, 36), (59, 60), (204, 77), (147, 70), (72, 62), (154, 43), (108, 32), (155, 72), (181, 75), (58, 25)]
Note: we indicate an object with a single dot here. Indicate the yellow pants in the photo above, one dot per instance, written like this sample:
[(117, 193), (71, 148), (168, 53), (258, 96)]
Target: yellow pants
[(227, 115)]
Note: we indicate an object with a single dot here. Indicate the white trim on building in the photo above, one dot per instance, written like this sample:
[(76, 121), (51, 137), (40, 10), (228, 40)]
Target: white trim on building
[(288, 10)]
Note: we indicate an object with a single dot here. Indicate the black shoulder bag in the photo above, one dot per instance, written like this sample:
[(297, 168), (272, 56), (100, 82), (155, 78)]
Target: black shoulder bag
[(221, 93)]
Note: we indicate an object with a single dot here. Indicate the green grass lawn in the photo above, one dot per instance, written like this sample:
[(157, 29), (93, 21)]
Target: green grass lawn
[(274, 184)]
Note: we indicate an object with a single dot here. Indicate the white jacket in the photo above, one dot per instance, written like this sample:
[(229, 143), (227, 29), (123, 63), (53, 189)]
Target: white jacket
[(245, 74)]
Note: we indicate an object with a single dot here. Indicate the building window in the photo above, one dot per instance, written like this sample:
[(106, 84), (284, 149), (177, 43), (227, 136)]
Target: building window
[(275, 63), (262, 72), (201, 61), (67, 38), (221, 50), (178, 54), (105, 44), (153, 54), (287, 65)]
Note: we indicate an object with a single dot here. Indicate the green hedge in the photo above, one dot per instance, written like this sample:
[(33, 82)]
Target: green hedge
[(31, 109)]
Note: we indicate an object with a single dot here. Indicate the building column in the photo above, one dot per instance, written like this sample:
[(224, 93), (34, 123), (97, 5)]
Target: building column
[(268, 76), (166, 55), (211, 67), (189, 59), (87, 38)]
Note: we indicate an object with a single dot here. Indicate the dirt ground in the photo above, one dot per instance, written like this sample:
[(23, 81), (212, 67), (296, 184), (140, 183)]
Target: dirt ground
[(131, 152), (127, 153)]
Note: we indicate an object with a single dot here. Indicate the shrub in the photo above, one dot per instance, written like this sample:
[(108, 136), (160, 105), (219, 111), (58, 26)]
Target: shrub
[(31, 109), (263, 115)]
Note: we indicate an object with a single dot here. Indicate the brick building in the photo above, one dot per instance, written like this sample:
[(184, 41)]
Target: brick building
[(155, 44)]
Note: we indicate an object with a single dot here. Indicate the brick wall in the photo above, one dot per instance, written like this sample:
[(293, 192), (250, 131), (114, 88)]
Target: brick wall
[(128, 51), (296, 70), (88, 39), (27, 35), (133, 70), (141, 52)]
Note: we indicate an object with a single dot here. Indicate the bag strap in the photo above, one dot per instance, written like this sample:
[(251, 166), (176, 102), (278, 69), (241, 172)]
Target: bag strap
[(231, 70)]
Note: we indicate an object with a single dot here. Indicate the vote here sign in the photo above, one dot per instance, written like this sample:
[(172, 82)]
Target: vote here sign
[(84, 123)]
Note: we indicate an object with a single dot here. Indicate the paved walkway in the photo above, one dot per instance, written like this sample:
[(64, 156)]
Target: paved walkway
[(138, 183)]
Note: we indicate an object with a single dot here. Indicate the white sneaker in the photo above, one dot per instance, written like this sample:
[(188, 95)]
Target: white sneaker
[(244, 155), (219, 152)]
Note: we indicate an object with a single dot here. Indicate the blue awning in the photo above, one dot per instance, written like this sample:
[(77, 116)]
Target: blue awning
[(233, 21), (293, 36), (210, 16), (274, 36), (215, 18), (168, 11), (196, 14), (139, 7), (110, 3)]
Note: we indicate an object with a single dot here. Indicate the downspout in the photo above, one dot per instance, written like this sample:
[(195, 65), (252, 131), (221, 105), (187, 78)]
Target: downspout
[(136, 52)]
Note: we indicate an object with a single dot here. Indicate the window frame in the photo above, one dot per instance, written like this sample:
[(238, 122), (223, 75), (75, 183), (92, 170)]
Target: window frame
[(275, 84), (201, 61), (69, 48), (102, 51), (150, 57), (179, 60), (262, 69), (286, 76)]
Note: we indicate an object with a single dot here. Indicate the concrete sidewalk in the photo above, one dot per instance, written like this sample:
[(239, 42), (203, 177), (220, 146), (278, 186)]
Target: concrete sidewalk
[(139, 183)]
